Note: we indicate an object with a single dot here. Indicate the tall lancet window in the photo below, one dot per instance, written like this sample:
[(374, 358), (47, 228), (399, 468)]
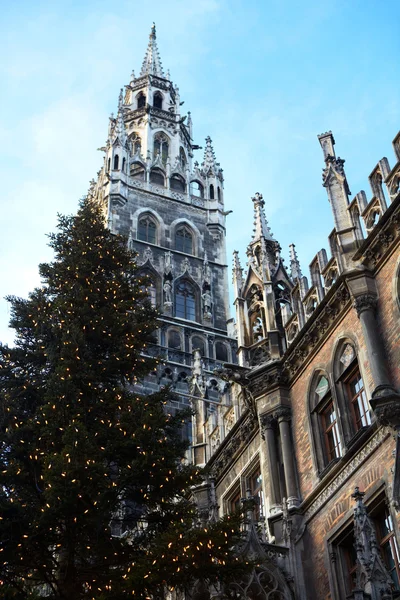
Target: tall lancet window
[(161, 147), (184, 240), (185, 301), (136, 144), (147, 230)]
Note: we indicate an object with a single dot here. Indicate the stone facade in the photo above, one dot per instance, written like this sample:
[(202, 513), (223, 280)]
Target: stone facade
[(301, 406)]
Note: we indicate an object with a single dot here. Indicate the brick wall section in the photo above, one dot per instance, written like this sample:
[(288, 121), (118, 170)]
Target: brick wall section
[(389, 312), (377, 468), (349, 326)]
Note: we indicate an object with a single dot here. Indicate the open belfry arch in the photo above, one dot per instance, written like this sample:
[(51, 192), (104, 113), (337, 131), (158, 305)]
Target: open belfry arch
[(296, 404)]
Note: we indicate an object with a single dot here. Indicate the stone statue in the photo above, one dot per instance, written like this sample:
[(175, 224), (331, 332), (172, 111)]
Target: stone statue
[(167, 293)]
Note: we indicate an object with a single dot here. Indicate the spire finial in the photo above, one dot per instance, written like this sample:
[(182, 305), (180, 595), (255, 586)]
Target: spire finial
[(295, 269), (261, 229), (152, 62), (237, 270)]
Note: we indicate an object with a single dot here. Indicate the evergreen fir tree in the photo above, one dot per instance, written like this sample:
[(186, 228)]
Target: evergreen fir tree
[(82, 455)]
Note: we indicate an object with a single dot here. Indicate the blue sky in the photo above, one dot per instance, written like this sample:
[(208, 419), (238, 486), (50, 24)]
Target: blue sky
[(262, 77)]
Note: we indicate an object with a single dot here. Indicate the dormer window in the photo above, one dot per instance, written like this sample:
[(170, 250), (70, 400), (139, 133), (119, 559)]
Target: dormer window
[(157, 100)]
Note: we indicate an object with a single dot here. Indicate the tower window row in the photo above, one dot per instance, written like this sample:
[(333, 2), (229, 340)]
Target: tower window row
[(157, 100), (147, 232)]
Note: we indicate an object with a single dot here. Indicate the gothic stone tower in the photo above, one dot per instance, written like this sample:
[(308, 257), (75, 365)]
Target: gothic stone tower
[(171, 209)]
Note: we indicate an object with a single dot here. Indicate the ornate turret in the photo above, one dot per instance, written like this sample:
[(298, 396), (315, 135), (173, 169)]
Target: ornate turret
[(262, 295), (211, 171), (335, 181)]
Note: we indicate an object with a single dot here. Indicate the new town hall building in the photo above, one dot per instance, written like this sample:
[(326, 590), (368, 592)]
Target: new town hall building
[(297, 403)]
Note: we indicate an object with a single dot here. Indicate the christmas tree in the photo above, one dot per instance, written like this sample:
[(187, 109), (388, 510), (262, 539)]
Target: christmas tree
[(82, 455)]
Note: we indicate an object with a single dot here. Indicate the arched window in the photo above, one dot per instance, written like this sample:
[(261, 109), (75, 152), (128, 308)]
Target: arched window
[(185, 301), (161, 147), (350, 390), (136, 144), (109, 164), (219, 193), (157, 100), (137, 171), (221, 352), (211, 192), (157, 177), (198, 344), (174, 340), (141, 100), (177, 183), (184, 240), (324, 420), (116, 162), (196, 189), (123, 164), (182, 158), (147, 230)]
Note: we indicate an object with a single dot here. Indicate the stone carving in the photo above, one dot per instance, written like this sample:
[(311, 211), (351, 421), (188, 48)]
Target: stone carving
[(283, 413), (207, 305), (168, 263), (167, 293), (185, 265), (365, 302), (371, 574), (148, 255)]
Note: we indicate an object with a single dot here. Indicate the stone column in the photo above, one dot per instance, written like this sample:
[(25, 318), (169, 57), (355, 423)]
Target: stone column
[(283, 415), (385, 401), (267, 423)]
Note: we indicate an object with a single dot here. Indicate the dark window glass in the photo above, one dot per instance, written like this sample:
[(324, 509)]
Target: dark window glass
[(174, 340), (184, 240), (219, 193), (147, 230), (116, 162), (211, 192), (157, 102), (198, 343), (137, 171), (221, 352), (141, 100), (177, 183), (156, 176), (123, 164), (185, 304)]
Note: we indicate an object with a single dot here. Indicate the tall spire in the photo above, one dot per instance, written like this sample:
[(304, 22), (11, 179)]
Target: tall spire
[(295, 269), (120, 131), (209, 161), (237, 270), (261, 229), (152, 62)]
